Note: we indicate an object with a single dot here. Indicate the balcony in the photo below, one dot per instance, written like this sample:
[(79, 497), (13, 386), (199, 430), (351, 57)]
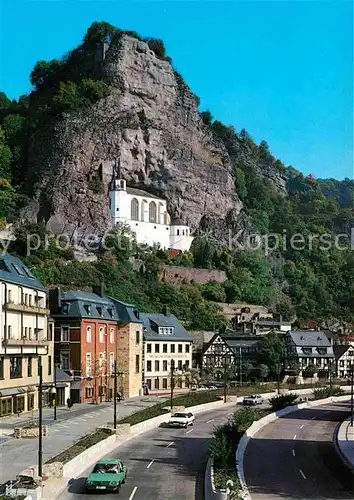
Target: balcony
[(29, 309)]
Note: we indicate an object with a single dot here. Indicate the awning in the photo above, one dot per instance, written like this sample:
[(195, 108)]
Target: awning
[(61, 384), (12, 392), (31, 388)]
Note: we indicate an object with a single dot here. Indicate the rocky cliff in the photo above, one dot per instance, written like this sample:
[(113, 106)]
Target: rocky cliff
[(150, 120)]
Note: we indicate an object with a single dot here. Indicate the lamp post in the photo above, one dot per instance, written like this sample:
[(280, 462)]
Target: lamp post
[(40, 409), (278, 381), (173, 369), (115, 396), (351, 373), (225, 381), (54, 392)]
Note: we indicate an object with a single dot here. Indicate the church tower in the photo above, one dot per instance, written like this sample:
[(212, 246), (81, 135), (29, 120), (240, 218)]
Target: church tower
[(118, 199)]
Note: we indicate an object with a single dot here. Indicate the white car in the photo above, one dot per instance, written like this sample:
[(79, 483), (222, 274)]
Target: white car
[(254, 399), (181, 419)]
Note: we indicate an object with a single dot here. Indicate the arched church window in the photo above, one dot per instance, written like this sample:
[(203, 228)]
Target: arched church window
[(152, 211), (134, 207)]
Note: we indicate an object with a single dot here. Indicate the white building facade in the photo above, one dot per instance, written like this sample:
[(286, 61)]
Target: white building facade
[(147, 217)]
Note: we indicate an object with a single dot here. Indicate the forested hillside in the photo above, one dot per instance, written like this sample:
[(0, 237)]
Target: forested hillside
[(311, 282)]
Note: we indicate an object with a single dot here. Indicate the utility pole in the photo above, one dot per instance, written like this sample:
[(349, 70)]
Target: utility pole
[(172, 381), (225, 382), (115, 396), (278, 378), (351, 395), (240, 366), (55, 392), (40, 408), (330, 376)]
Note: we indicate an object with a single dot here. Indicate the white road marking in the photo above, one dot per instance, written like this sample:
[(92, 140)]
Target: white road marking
[(190, 430), (294, 437), (211, 420), (293, 452), (170, 444), (313, 418), (62, 425), (75, 423), (302, 426), (133, 493), (150, 464), (303, 475)]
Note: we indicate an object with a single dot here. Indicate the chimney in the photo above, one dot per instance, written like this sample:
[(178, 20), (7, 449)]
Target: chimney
[(98, 290), (54, 300), (166, 310)]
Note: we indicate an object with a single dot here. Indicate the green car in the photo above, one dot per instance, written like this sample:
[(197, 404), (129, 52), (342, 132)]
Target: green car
[(107, 475)]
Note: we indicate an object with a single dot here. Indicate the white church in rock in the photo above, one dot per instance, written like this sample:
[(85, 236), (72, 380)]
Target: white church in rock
[(147, 216)]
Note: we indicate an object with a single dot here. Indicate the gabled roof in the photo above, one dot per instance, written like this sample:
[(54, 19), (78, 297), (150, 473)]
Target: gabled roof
[(309, 338), (13, 270), (152, 322), (340, 349), (141, 192)]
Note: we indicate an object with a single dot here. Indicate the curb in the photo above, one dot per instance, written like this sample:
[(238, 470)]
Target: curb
[(259, 424), (338, 450)]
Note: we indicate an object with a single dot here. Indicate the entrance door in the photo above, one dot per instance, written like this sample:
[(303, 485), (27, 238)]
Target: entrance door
[(6, 407)]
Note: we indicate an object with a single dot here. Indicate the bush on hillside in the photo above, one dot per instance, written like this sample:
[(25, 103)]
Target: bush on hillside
[(327, 392), (280, 402)]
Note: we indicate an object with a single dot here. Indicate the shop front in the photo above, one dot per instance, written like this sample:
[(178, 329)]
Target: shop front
[(12, 401)]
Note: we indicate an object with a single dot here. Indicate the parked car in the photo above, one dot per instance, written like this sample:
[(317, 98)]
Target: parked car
[(107, 475), (252, 400), (181, 420)]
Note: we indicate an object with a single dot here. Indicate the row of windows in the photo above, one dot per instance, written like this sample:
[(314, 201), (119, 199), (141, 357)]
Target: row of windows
[(165, 348), (94, 367), (27, 333), (164, 385), (17, 364), (27, 299), (65, 335), (164, 365), (155, 215)]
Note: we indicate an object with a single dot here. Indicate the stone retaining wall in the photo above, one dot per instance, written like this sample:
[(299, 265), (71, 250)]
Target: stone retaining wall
[(29, 433)]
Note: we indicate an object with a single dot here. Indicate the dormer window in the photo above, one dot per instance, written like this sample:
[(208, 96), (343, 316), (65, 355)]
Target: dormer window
[(307, 350), (166, 330), (65, 308), (110, 312), (88, 308), (99, 310)]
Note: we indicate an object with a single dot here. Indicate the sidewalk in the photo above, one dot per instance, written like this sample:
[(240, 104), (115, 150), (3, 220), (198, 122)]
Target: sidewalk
[(345, 443), (17, 454)]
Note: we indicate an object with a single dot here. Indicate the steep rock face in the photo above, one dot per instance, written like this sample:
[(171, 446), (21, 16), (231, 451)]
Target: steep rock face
[(151, 122)]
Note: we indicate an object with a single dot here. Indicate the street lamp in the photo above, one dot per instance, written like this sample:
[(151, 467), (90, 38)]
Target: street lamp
[(351, 373), (116, 374), (40, 417), (173, 370)]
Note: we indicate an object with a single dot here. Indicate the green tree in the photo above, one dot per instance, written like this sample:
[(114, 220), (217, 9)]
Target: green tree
[(263, 371), (207, 117), (5, 157), (45, 72), (241, 184), (272, 352), (157, 46), (68, 97), (93, 90)]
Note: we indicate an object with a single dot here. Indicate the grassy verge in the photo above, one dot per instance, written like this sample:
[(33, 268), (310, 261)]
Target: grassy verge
[(81, 445), (193, 399), (224, 443), (140, 416)]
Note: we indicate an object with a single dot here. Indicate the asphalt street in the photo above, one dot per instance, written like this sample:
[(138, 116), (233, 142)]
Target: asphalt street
[(164, 464), (294, 458), (18, 454)]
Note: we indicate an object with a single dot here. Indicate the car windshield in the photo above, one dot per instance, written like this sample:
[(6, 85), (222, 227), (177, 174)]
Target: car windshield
[(180, 415), (106, 469)]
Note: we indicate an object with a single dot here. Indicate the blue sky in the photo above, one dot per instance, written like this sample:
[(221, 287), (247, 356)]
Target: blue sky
[(283, 70)]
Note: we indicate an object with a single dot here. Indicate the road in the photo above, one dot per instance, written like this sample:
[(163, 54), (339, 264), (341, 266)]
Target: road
[(294, 458), (164, 464), (18, 454)]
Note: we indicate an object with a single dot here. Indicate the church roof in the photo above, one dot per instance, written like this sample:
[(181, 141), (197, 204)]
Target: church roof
[(141, 192)]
